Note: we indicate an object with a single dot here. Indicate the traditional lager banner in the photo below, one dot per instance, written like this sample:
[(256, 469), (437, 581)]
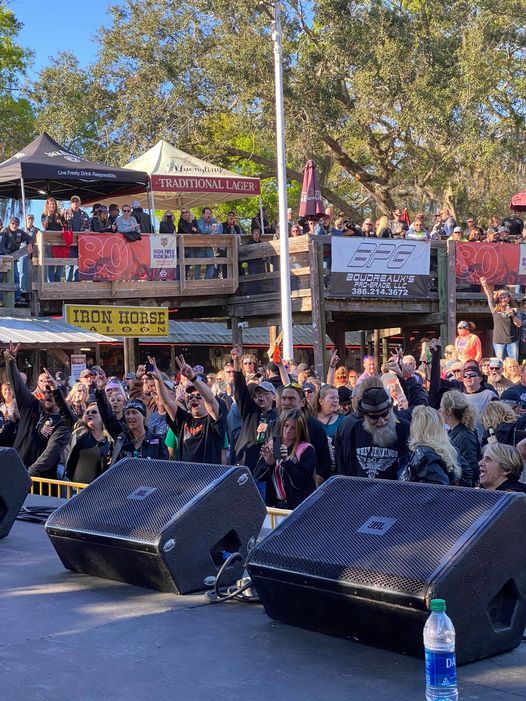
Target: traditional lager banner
[(370, 267), (499, 263), (119, 321), (113, 257)]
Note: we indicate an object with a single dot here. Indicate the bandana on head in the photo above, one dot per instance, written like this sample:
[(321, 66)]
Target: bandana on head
[(136, 404)]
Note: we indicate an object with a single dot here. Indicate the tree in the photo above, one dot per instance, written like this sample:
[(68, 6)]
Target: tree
[(398, 102)]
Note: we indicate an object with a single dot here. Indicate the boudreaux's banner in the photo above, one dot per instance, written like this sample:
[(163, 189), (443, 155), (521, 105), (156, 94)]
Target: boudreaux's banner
[(370, 267)]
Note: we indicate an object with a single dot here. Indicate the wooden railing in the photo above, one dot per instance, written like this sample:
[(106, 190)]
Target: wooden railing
[(7, 280), (44, 264)]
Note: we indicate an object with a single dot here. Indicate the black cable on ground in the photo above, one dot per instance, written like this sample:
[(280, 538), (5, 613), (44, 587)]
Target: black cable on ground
[(35, 514), (217, 596)]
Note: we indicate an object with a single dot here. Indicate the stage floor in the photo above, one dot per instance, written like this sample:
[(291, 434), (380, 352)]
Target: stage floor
[(68, 636)]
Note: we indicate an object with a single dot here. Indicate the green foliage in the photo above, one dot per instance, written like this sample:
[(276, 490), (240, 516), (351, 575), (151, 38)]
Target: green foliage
[(409, 102)]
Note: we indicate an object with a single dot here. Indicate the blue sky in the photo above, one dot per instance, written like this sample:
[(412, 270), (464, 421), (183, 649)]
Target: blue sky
[(60, 25)]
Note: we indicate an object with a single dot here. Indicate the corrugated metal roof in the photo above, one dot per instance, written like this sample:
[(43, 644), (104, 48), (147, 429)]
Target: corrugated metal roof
[(46, 331), (216, 333)]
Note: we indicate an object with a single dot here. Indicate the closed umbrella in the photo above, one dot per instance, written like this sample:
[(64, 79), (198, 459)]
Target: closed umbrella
[(311, 206)]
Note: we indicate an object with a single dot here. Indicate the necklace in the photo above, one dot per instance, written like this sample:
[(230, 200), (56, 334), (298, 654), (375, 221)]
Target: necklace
[(137, 440)]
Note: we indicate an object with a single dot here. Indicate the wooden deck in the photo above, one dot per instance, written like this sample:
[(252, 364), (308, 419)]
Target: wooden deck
[(250, 289)]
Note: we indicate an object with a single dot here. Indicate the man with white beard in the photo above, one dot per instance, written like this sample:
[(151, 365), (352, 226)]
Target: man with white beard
[(373, 441)]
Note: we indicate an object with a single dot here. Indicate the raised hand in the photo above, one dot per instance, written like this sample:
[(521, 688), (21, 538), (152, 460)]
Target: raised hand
[(100, 380), (185, 369), (50, 379), (155, 373), (334, 359), (12, 350), (235, 352)]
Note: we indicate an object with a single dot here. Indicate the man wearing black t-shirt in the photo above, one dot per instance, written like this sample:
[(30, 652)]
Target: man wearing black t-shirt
[(200, 425)]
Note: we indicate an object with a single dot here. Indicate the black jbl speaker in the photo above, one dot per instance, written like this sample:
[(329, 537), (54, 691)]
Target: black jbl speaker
[(160, 524), (15, 484), (363, 558)]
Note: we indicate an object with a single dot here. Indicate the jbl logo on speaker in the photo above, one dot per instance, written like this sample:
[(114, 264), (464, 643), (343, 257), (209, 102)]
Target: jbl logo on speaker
[(376, 525), (141, 493)]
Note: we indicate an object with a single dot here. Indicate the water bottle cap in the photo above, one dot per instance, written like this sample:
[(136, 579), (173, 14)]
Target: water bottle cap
[(437, 605)]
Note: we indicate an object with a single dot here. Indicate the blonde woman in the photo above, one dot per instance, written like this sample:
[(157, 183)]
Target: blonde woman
[(498, 420), (77, 399), (512, 370), (461, 418), (382, 228), (434, 459), (501, 467)]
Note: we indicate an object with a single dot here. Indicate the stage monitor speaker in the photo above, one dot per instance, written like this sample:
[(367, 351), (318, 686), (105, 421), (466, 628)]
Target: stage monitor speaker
[(363, 558), (160, 524), (15, 485)]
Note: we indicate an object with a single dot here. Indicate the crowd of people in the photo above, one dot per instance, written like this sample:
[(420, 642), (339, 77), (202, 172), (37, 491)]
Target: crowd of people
[(131, 221), (445, 421)]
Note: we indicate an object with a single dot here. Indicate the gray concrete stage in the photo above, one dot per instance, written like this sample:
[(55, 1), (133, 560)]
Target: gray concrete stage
[(67, 636)]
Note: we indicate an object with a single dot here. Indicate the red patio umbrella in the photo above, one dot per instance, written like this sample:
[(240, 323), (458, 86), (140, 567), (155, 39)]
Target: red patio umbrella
[(311, 206), (518, 202)]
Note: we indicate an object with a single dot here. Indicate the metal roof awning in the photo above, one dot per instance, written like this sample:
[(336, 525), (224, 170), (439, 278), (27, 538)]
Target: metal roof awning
[(45, 331), (216, 333)]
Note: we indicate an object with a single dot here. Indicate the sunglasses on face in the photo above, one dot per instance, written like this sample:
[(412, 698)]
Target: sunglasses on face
[(91, 413), (376, 417), (470, 374), (494, 367), (308, 391), (193, 395)]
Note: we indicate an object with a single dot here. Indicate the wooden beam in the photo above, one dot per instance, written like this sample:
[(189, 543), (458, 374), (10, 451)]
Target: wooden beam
[(237, 332), (318, 308), (451, 292)]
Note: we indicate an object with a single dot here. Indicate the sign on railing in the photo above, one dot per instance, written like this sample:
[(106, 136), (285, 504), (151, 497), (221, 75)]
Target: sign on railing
[(368, 267), (499, 263), (113, 257)]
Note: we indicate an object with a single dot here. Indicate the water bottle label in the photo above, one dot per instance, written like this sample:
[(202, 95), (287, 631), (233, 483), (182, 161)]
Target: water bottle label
[(441, 668)]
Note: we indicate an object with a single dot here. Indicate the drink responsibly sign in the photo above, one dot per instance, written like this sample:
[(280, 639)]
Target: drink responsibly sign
[(363, 267)]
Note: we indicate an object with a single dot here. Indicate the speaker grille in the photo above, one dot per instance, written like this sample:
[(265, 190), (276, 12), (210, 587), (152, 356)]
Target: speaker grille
[(386, 535), (136, 498)]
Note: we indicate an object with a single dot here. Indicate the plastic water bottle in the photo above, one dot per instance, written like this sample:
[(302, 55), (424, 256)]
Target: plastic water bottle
[(439, 643)]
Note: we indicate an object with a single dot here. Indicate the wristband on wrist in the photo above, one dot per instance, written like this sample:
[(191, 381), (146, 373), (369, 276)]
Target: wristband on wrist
[(194, 378)]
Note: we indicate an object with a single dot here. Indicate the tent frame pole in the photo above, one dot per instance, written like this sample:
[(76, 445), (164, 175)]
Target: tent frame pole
[(23, 195)]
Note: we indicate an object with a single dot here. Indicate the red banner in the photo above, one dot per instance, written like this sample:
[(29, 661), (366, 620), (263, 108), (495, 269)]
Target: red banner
[(499, 263), (113, 257)]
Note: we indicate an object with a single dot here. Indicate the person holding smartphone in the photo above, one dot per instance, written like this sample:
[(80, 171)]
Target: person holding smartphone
[(287, 462)]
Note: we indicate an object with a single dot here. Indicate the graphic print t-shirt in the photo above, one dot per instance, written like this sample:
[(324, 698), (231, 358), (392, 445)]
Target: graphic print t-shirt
[(200, 440)]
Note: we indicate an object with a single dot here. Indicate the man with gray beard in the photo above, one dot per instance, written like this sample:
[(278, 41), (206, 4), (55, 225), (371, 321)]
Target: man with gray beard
[(372, 442)]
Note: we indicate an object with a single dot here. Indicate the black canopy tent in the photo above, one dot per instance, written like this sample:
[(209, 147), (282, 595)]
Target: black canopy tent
[(44, 168)]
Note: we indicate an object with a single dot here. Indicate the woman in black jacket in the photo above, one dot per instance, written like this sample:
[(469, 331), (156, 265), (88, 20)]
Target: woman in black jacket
[(434, 459), (461, 418)]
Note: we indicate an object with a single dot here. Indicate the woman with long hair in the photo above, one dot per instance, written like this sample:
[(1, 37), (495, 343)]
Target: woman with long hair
[(52, 221), (8, 407), (512, 370), (461, 418), (467, 343), (506, 321), (288, 462), (434, 459), (89, 450), (498, 420), (326, 408), (77, 399), (501, 467)]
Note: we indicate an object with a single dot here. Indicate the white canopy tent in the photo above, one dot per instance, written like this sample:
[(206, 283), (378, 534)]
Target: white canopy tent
[(178, 180)]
